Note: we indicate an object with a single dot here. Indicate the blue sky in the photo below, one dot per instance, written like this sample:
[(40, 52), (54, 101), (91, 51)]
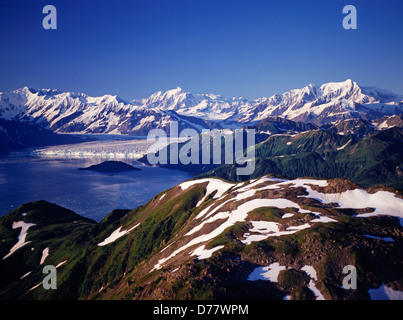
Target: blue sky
[(247, 48)]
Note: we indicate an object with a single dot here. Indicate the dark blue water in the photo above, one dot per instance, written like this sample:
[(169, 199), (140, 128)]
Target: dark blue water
[(90, 194)]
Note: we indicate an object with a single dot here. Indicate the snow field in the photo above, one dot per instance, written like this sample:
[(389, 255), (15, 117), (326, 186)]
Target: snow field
[(213, 185), (383, 202)]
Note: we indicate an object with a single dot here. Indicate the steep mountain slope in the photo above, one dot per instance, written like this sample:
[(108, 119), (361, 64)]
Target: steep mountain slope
[(49, 234), (277, 125), (362, 128), (375, 159), (356, 127), (388, 122), (354, 149), (17, 134), (269, 238)]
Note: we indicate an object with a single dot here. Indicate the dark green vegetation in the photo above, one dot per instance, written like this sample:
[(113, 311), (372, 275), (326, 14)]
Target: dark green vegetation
[(75, 239), (62, 231), (111, 167), (351, 149), (272, 125), (373, 160)]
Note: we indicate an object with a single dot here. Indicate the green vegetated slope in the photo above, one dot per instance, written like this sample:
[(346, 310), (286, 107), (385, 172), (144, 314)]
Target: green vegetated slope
[(184, 245), (354, 149), (75, 239), (218, 140), (62, 231), (376, 159)]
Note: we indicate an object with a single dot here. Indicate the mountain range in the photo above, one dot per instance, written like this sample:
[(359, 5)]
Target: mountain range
[(68, 112)]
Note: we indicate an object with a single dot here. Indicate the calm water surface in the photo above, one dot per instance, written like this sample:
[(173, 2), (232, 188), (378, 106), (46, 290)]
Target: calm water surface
[(91, 194)]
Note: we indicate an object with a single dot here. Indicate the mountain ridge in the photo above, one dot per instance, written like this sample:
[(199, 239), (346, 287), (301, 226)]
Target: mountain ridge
[(366, 159), (213, 239), (69, 112)]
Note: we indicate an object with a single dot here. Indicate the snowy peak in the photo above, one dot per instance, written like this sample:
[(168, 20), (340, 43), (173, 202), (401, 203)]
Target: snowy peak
[(80, 113), (25, 90), (349, 89), (170, 100), (158, 96), (174, 92), (327, 91), (327, 103), (69, 112), (339, 88), (205, 106)]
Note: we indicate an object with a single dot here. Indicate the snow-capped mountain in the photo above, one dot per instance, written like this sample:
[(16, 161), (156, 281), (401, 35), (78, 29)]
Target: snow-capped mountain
[(205, 106), (324, 104), (312, 104), (68, 112)]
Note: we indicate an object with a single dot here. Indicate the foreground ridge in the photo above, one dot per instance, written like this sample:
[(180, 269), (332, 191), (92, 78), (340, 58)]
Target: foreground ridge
[(266, 238)]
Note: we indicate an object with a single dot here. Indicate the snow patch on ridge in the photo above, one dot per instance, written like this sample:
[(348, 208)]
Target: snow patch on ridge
[(310, 271), (203, 253), (45, 254), (263, 229), (116, 235), (213, 185), (383, 202), (21, 237), (270, 272)]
